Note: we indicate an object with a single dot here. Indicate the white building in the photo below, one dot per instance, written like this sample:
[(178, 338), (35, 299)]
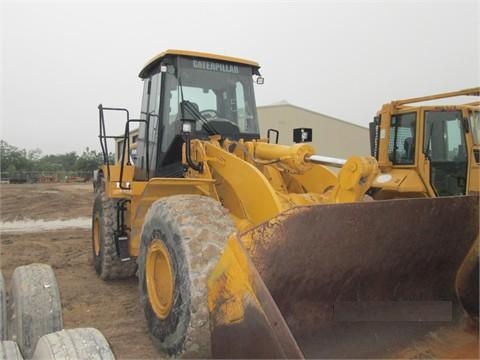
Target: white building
[(331, 137)]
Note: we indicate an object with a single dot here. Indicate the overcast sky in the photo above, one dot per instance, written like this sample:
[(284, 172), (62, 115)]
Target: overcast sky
[(340, 58)]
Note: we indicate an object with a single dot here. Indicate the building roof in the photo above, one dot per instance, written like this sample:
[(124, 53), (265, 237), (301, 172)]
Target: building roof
[(284, 103), (157, 59)]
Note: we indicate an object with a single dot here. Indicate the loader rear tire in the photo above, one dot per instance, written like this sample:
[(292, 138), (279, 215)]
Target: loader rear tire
[(9, 351), (3, 309), (81, 343), (183, 237), (105, 257), (35, 308)]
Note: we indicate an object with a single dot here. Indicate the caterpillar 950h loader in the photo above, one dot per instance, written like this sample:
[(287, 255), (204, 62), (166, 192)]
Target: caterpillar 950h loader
[(246, 248)]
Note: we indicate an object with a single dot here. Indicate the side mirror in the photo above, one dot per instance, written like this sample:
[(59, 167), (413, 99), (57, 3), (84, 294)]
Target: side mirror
[(301, 135), (274, 131), (189, 111), (260, 80)]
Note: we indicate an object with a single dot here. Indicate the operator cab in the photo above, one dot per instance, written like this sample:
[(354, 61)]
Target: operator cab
[(215, 93), (444, 145)]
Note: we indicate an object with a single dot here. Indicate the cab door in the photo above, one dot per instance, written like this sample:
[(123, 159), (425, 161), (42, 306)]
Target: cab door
[(445, 147), (147, 141)]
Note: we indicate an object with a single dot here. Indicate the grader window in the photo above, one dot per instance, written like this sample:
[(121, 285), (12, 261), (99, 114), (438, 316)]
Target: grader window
[(475, 126), (445, 147), (444, 139), (401, 148)]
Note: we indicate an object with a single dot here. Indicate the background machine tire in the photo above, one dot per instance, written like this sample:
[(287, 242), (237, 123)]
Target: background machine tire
[(35, 308), (81, 343), (3, 309), (183, 236), (9, 351), (105, 257)]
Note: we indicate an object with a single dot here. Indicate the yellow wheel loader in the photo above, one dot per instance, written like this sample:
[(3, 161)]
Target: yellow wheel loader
[(245, 248)]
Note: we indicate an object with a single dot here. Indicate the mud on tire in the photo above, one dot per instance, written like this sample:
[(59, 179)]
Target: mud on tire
[(35, 307), (81, 343), (194, 229), (105, 258)]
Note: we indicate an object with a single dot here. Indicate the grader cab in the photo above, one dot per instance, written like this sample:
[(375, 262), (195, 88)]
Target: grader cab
[(427, 150), (246, 248)]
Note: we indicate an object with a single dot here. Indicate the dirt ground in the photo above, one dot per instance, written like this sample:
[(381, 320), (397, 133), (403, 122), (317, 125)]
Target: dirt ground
[(112, 307)]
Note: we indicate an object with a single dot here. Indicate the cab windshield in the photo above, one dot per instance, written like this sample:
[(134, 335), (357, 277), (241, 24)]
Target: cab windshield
[(219, 95)]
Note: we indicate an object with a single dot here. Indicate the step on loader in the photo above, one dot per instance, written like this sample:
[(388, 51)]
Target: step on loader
[(245, 248)]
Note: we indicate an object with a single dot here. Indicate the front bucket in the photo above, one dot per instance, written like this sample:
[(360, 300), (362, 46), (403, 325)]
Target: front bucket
[(362, 280)]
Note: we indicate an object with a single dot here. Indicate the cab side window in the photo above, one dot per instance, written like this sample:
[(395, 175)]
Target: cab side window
[(153, 120), (148, 131), (401, 148)]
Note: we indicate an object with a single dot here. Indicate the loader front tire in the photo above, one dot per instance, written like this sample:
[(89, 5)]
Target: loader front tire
[(182, 239), (105, 257), (35, 308)]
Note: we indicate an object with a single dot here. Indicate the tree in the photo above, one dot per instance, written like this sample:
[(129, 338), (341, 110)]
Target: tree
[(13, 158), (89, 161)]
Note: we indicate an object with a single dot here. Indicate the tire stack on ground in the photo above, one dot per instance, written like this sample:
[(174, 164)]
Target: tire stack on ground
[(8, 349), (31, 326)]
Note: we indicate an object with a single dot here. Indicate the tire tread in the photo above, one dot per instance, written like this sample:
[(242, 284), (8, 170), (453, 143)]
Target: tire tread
[(3, 308), (35, 307), (80, 343)]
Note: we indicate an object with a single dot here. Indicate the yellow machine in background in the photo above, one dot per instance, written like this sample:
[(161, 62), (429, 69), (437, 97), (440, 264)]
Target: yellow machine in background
[(244, 248), (427, 150)]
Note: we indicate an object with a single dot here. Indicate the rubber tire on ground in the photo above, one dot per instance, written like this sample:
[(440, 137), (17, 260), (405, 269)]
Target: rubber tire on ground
[(81, 343), (9, 351), (107, 263), (194, 229), (3, 308), (35, 308)]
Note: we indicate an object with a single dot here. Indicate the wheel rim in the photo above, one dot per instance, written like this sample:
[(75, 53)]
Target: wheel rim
[(96, 236), (159, 277)]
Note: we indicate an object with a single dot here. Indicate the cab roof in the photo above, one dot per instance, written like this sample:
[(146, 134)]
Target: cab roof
[(157, 59)]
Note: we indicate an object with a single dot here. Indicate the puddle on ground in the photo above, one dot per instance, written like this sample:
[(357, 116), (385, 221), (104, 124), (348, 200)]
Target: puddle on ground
[(31, 226)]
